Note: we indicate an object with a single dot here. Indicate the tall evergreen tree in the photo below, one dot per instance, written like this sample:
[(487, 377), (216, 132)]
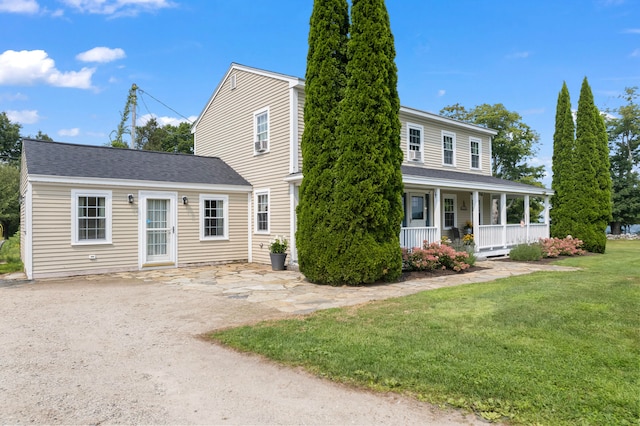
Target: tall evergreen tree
[(590, 200), (325, 81), (563, 148), (367, 209)]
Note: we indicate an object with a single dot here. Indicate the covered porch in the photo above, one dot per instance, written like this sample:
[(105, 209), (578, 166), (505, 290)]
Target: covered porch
[(498, 214)]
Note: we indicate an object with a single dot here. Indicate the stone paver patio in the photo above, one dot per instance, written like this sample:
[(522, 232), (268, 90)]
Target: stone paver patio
[(289, 292)]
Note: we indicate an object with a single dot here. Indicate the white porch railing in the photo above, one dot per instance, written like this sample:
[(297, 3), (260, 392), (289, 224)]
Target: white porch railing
[(414, 237), (488, 237), (491, 236)]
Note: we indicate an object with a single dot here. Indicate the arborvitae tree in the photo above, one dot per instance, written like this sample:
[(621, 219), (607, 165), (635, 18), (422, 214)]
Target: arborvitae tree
[(587, 198), (603, 176), (367, 209), (563, 148), (325, 81)]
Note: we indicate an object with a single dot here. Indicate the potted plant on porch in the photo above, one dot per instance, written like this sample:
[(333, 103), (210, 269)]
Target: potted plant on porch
[(468, 227), (278, 252)]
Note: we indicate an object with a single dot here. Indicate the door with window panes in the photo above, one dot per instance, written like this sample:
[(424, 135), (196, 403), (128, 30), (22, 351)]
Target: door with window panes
[(158, 228)]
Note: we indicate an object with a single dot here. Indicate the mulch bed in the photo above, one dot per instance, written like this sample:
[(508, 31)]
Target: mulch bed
[(413, 275)]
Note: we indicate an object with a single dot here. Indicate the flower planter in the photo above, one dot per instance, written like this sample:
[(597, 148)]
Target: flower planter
[(277, 261)]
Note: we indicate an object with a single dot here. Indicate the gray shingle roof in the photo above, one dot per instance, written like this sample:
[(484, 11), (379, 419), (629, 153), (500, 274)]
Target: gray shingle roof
[(85, 161), (467, 177)]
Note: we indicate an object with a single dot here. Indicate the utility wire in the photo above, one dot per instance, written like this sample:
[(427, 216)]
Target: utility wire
[(162, 103)]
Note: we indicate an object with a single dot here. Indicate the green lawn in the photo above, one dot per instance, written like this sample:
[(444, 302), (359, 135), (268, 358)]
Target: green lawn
[(546, 348)]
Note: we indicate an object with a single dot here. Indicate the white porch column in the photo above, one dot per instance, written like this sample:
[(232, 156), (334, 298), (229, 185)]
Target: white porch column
[(503, 217), (293, 203), (437, 219), (547, 206), (475, 215), (527, 215)]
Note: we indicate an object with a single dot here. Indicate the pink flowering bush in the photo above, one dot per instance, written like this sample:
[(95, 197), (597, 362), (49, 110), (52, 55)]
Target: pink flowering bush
[(435, 256), (554, 247)]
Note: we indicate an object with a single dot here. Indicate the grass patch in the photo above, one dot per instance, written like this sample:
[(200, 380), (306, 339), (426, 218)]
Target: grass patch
[(10, 253), (545, 348)]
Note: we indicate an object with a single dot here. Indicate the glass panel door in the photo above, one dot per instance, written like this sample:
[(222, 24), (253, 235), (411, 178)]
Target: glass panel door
[(158, 230)]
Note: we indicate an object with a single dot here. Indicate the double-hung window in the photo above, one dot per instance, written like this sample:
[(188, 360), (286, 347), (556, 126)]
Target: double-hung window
[(214, 223), (262, 211), (261, 131), (448, 148), (475, 146), (449, 208), (91, 217), (414, 141)]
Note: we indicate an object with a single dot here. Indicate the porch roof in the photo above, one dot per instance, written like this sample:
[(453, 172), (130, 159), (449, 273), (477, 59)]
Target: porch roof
[(467, 181)]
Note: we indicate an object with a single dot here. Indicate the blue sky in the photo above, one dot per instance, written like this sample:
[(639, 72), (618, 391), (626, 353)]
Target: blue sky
[(66, 66)]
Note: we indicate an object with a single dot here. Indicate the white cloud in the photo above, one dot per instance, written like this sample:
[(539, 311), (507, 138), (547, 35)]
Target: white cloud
[(441, 92), (632, 31), (29, 67), (13, 97), (635, 53), (19, 6), (118, 7), (69, 132), (519, 55), (24, 116), (163, 121), (101, 54)]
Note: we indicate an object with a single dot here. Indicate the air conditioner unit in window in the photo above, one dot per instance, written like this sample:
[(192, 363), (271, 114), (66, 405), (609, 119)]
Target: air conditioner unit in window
[(415, 156), (261, 146)]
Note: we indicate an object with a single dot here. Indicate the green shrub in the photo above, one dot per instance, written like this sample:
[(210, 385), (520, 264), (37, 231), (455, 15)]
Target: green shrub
[(526, 252), (436, 256), (10, 253)]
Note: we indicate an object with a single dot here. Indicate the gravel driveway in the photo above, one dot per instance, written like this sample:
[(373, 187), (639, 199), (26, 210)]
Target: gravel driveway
[(112, 350)]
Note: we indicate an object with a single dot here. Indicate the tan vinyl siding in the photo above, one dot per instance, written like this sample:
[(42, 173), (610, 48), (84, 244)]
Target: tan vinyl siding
[(226, 131), (23, 206), (54, 253), (432, 140), (301, 98), (193, 251)]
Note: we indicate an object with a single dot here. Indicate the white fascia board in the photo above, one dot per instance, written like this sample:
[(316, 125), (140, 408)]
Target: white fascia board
[(449, 121), (469, 186), (138, 183)]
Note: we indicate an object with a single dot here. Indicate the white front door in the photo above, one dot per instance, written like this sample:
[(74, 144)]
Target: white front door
[(158, 229), (417, 210)]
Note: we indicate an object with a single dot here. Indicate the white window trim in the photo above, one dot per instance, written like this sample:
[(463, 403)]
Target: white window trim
[(455, 210), (452, 136), (479, 141), (255, 216), (255, 130), (225, 217), (421, 129), (75, 193)]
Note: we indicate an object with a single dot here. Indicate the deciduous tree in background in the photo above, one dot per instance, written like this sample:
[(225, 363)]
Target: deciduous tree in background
[(368, 193), (168, 138), (10, 143), (9, 193), (562, 214), (624, 143), (325, 81)]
